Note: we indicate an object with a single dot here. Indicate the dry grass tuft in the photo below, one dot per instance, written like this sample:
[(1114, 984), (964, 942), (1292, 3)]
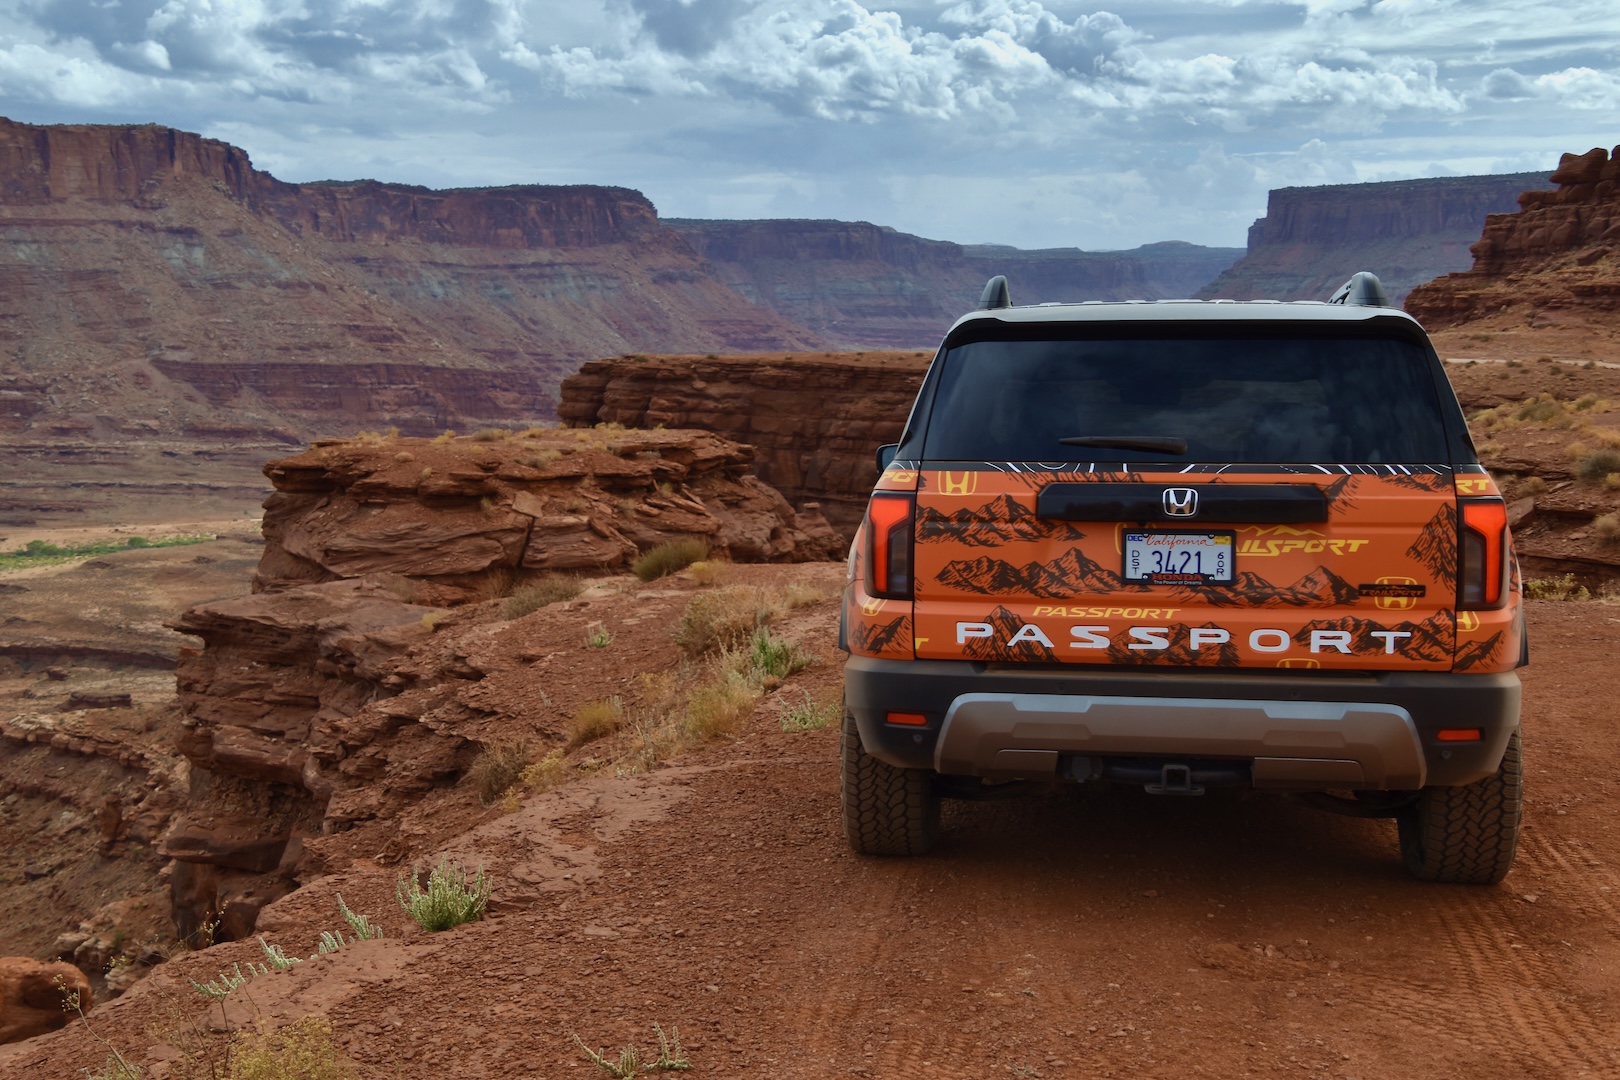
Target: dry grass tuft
[(709, 571), (596, 720), (1607, 528), (1596, 466), (497, 768), (302, 1050), (667, 558), (536, 594)]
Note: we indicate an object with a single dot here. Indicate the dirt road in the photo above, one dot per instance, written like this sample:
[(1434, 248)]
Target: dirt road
[(1064, 936)]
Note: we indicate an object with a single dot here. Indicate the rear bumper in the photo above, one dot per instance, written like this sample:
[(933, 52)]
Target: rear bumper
[(1367, 732)]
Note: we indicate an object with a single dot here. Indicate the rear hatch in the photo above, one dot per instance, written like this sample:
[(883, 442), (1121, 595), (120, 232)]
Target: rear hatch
[(1190, 495)]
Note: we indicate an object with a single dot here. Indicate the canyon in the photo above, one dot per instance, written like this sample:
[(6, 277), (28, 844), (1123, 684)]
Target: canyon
[(865, 286), (1406, 231)]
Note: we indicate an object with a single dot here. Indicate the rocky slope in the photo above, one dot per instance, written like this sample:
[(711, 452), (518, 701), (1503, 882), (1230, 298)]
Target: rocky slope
[(861, 285), (1405, 231), (153, 283), (814, 420), (1553, 264), (330, 698)]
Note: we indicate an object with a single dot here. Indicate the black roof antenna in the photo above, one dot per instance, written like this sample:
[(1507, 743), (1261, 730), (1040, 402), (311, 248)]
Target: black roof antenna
[(995, 295), (1362, 290)]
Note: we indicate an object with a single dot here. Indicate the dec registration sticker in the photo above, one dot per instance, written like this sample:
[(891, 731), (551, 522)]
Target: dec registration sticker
[(1179, 558)]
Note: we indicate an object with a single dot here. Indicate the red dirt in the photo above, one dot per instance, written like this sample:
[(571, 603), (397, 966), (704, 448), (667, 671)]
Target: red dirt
[(1062, 936)]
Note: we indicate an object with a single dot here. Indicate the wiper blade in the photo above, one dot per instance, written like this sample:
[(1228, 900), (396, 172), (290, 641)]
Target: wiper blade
[(1167, 444)]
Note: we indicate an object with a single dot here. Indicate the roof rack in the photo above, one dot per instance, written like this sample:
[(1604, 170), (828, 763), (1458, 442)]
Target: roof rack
[(1362, 290)]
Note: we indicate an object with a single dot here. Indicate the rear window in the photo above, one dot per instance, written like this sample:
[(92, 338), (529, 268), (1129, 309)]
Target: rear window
[(1291, 398)]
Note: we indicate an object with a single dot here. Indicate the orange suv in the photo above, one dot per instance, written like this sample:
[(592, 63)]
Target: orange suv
[(1188, 544)]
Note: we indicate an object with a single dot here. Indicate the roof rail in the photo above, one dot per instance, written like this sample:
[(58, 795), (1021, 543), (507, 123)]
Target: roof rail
[(995, 295), (1362, 290)]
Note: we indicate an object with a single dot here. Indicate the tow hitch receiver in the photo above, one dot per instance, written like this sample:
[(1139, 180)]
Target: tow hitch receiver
[(1175, 780)]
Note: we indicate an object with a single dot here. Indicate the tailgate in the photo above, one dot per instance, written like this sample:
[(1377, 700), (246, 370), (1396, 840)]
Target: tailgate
[(1354, 569)]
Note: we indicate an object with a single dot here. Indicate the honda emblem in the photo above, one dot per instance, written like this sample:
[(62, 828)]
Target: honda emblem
[(1180, 502)]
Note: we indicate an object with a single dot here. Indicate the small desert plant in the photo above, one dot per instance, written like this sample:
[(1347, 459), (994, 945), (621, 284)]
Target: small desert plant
[(598, 636), (360, 925), (718, 708), (447, 436), (449, 899), (721, 619), (1559, 588), (492, 435), (546, 773), (539, 458), (497, 768), (303, 1050), (667, 558), (595, 720), (534, 595), (228, 980), (1598, 464), (773, 657), (671, 1057), (1607, 527), (808, 715), (116, 1066), (707, 572)]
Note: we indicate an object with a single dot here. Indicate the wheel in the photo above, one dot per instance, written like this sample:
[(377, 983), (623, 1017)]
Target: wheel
[(887, 811), (1466, 834)]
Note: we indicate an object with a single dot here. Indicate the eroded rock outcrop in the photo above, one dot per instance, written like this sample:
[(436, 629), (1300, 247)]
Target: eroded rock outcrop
[(327, 697), (1406, 231), (1560, 253), (814, 420), (33, 993)]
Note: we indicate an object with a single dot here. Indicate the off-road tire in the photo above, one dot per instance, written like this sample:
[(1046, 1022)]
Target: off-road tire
[(1466, 834), (887, 811)]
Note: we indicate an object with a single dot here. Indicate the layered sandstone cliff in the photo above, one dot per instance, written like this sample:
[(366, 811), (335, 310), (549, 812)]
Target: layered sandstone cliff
[(1556, 259), (154, 283), (814, 420), (332, 696), (1405, 231), (861, 285)]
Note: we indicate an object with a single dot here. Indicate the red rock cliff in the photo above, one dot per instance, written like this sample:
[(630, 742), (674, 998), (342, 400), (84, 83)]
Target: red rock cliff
[(159, 284), (1405, 231), (1559, 255), (814, 420)]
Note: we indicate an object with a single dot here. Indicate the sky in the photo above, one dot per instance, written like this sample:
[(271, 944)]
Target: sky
[(1037, 123)]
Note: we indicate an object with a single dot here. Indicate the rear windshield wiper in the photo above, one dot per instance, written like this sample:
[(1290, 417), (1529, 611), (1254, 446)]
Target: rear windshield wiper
[(1167, 444)]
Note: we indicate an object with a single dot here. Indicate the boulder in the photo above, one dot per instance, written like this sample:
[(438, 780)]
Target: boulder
[(33, 996)]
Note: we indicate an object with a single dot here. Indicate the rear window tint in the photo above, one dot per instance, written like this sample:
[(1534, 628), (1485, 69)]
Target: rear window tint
[(1275, 400)]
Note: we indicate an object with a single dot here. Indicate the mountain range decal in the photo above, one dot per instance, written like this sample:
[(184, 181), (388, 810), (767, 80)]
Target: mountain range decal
[(995, 646), (1436, 546), (1002, 520), (1070, 575), (1431, 640), (1319, 588)]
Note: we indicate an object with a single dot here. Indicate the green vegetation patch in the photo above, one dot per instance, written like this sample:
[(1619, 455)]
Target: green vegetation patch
[(44, 553)]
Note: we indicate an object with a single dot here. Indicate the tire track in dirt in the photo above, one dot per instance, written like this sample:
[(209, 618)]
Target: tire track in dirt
[(1501, 980), (1574, 861)]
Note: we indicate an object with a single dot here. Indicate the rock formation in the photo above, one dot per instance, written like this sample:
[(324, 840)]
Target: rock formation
[(1557, 258), (155, 283), (327, 697), (814, 420), (1405, 231), (861, 285), (33, 993)]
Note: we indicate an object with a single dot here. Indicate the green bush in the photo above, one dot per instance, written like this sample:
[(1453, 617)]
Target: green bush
[(669, 557), (1598, 464), (449, 899)]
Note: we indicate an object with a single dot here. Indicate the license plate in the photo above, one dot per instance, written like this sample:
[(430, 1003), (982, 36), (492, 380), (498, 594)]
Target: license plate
[(1179, 558)]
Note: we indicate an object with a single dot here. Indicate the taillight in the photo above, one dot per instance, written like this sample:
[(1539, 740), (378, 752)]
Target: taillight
[(1481, 553), (889, 520)]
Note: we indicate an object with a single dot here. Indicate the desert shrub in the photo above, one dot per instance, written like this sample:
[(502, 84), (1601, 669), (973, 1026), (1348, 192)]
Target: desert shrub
[(595, 720), (774, 657), (446, 436), (808, 715), (449, 899), (1541, 410), (534, 595), (539, 458), (718, 708), (707, 572), (546, 773), (1607, 528), (497, 768), (492, 435), (598, 636), (669, 557), (1559, 588), (723, 619), (1598, 464), (303, 1050)]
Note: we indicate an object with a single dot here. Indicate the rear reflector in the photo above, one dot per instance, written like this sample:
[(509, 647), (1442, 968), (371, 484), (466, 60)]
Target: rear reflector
[(1481, 550), (1465, 734), (889, 520), (909, 719)]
